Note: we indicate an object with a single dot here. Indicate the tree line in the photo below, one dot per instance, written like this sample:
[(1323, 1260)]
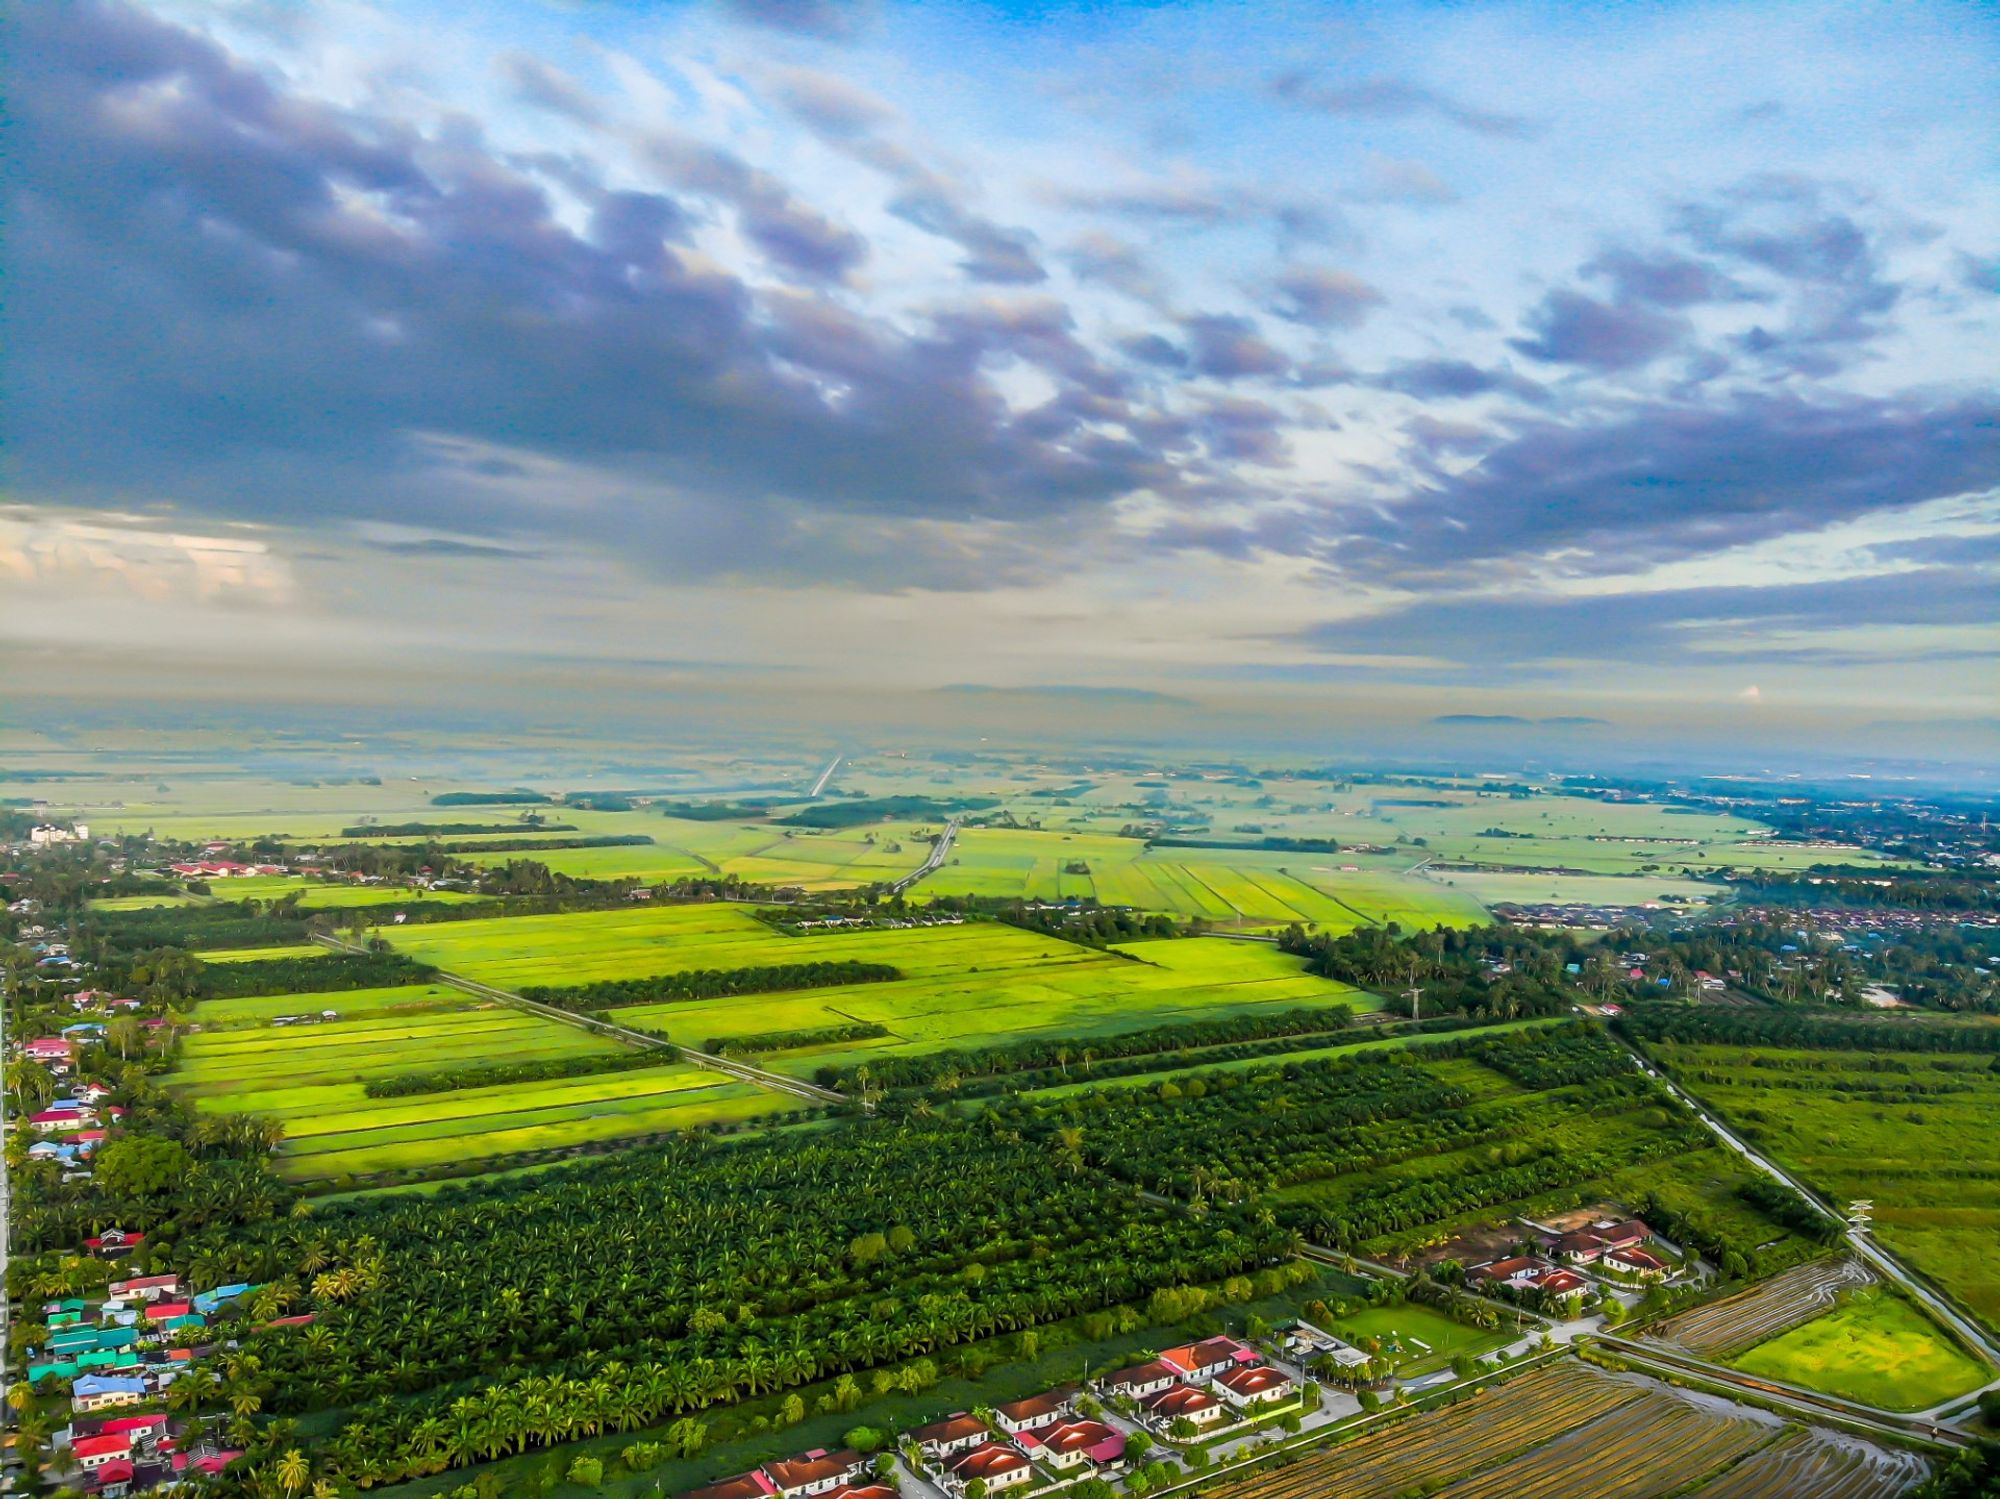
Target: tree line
[(491, 1074), (709, 983)]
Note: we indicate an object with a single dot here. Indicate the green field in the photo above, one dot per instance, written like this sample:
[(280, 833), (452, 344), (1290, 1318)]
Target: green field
[(321, 895), (1918, 1133), (311, 1079), (1250, 889), (258, 954), (1875, 1348), (1415, 1339), (152, 902), (967, 985)]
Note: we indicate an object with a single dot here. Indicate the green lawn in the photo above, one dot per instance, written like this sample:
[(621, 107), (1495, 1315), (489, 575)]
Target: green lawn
[(323, 895), (1875, 1348), (1417, 1339)]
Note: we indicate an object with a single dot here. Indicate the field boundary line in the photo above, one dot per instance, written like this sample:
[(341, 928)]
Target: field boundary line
[(746, 1072)]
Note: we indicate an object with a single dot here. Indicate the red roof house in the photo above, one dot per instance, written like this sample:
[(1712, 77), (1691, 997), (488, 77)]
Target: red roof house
[(1253, 1386)]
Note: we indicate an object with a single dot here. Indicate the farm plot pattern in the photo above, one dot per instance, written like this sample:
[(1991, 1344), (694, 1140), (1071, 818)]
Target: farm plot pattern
[(1819, 1465), (1724, 1328), (987, 1002), (312, 1080), (1874, 1347)]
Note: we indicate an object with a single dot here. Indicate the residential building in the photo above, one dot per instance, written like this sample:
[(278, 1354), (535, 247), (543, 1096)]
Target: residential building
[(1183, 1401), (1000, 1466), (1139, 1380), (1204, 1360), (816, 1472), (954, 1434), (1249, 1388), (743, 1486), (1074, 1443), (1033, 1413), (96, 1392)]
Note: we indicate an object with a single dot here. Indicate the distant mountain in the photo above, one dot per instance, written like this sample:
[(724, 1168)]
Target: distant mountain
[(1513, 721), (1101, 694)]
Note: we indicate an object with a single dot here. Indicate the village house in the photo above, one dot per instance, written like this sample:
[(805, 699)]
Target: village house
[(145, 1287), (49, 1049), (1140, 1380), (92, 1453), (1183, 1401), (96, 1392), (941, 1439), (1074, 1443), (817, 1472), (1640, 1262), (1587, 1246), (1253, 1387), (995, 1464), (1033, 1413), (743, 1486), (1204, 1360), (863, 1491), (114, 1242)]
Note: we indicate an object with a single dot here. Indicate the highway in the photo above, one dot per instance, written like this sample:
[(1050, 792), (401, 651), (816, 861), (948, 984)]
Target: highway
[(939, 851), (824, 776), (1861, 1243)]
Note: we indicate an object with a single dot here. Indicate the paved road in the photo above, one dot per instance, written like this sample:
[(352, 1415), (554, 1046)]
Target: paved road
[(824, 776), (939, 851), (1861, 1243), (746, 1071)]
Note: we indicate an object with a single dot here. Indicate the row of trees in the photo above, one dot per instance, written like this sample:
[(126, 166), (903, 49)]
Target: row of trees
[(710, 983)]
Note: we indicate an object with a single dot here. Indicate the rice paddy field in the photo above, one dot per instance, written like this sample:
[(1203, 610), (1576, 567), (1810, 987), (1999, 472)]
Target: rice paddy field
[(1250, 889), (1874, 1347), (967, 985), (1918, 1133), (1568, 1429), (311, 1078), (1719, 1329)]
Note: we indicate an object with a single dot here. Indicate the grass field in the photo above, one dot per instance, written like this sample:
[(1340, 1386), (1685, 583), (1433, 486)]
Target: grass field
[(1874, 1347), (257, 954), (963, 985), (1250, 889), (321, 895), (1496, 886), (1413, 1338), (312, 1080), (1916, 1132), (151, 902)]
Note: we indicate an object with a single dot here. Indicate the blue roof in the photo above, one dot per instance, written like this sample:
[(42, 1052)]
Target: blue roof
[(108, 1384)]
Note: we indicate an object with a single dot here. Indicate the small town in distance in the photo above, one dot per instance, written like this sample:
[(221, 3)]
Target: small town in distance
[(1047, 1123)]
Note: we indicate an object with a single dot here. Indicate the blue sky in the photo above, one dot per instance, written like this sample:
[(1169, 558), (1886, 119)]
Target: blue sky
[(1633, 361)]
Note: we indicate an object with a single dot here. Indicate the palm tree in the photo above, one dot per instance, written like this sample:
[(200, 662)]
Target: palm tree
[(293, 1471)]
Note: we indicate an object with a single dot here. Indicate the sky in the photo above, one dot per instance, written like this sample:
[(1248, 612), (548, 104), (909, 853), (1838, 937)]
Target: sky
[(1637, 363)]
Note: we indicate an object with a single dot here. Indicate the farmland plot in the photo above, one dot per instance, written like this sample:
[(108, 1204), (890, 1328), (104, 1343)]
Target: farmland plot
[(1727, 1327), (1819, 1465), (312, 1079)]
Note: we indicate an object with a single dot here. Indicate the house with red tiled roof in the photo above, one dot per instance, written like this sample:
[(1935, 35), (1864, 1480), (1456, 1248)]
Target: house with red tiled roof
[(743, 1486), (1138, 1380), (92, 1453), (996, 1464), (1253, 1386), (859, 1490), (1640, 1262), (1074, 1443), (1037, 1411), (1183, 1400), (1208, 1358), (816, 1472), (145, 1287), (941, 1439)]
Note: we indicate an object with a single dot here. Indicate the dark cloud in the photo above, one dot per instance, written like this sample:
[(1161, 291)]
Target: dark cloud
[(1571, 328), (1828, 265), (1244, 430), (1322, 297), (1661, 482), (1661, 280), (259, 306), (447, 546), (1454, 379), (1151, 348), (829, 20), (993, 252), (535, 82), (1114, 262), (830, 104), (1390, 99), (1227, 347), (1724, 624), (792, 234)]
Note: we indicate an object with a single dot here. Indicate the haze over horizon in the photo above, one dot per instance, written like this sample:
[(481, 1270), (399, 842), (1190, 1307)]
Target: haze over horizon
[(1405, 363)]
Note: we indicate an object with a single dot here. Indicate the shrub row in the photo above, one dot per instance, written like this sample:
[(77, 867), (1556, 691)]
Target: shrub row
[(489, 1074), (709, 983)]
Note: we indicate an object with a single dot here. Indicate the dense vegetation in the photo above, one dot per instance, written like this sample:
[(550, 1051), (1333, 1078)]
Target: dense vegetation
[(853, 814), (796, 1040), (1810, 1029), (709, 983), (313, 975), (649, 1285), (1089, 926), (947, 1067), (449, 829), (1449, 966), (515, 798), (490, 1074)]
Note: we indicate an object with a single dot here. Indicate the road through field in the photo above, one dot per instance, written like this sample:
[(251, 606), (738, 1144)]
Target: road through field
[(939, 851), (1862, 1244), (736, 1068)]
